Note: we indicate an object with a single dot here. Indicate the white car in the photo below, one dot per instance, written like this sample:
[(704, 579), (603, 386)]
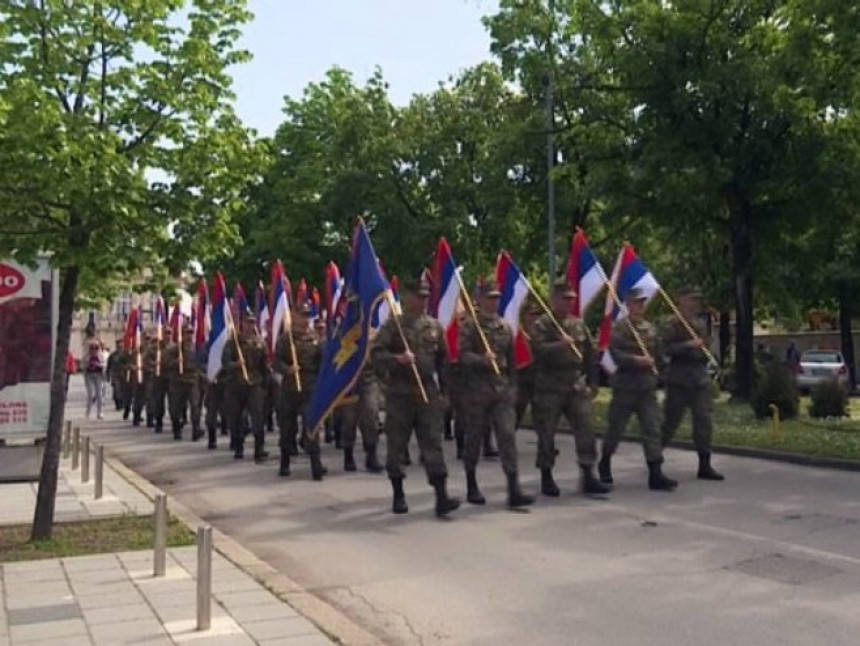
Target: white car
[(820, 365)]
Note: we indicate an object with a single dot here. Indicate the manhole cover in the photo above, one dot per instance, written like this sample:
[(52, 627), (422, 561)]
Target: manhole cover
[(786, 569)]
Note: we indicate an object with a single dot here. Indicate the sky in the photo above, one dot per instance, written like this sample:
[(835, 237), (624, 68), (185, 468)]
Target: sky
[(416, 43)]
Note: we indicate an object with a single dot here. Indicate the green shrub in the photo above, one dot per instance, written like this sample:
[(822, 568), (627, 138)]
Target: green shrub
[(829, 399), (776, 386)]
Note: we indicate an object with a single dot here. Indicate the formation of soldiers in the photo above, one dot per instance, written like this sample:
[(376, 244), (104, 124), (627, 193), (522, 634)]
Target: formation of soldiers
[(482, 395)]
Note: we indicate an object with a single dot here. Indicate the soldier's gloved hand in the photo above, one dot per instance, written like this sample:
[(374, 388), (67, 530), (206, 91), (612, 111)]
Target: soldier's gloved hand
[(292, 370), (645, 362), (696, 344), (490, 357), (567, 339), (405, 358)]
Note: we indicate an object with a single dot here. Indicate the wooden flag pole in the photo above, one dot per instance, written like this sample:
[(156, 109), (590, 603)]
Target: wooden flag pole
[(396, 316), (552, 318), (470, 306), (293, 354), (239, 354)]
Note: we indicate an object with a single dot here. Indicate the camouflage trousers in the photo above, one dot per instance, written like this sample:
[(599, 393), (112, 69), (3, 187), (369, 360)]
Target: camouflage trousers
[(364, 415), (403, 414), (156, 391), (240, 400), (290, 405), (525, 396), (133, 397), (216, 410), (496, 412), (183, 394), (701, 404), (547, 408), (643, 403)]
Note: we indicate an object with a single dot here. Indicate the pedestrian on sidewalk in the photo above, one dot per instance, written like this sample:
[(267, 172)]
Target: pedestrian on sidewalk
[(93, 377)]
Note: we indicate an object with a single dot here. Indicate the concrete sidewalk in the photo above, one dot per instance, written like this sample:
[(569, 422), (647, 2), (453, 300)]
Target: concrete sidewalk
[(113, 599)]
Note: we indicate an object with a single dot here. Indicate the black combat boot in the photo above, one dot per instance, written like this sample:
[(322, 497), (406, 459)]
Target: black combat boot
[(159, 427), (657, 481), (407, 459), (285, 464), (398, 504), (516, 498), (260, 453), (149, 421), (489, 450), (604, 469), (589, 484), (224, 430), (548, 487), (473, 494), (294, 448), (125, 413), (136, 419), (212, 434), (349, 460), (196, 432), (444, 504), (706, 471), (177, 430), (371, 461), (238, 446), (317, 469)]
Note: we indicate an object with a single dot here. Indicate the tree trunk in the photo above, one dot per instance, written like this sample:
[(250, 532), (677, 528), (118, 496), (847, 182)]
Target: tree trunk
[(43, 521), (845, 333), (741, 241), (725, 336)]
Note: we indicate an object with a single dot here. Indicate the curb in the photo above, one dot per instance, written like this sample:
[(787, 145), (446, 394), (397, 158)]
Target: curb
[(326, 617)]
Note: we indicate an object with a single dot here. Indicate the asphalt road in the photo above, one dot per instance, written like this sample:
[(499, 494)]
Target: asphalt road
[(771, 556)]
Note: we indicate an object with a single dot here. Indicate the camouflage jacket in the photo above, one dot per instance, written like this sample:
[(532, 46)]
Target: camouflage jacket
[(687, 366), (256, 361), (625, 351), (559, 369), (170, 363), (426, 340), (308, 354), (153, 359), (479, 378)]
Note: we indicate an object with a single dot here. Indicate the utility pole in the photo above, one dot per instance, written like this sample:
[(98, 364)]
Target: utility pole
[(550, 153)]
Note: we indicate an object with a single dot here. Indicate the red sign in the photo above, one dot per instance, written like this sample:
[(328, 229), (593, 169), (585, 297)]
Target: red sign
[(11, 280)]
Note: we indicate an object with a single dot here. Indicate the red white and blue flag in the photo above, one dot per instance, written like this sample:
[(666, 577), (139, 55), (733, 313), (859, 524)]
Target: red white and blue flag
[(240, 302), (176, 320), (302, 293), (515, 289), (220, 326), (160, 317), (446, 296), (629, 273), (584, 273), (314, 303), (261, 310), (332, 289), (281, 318)]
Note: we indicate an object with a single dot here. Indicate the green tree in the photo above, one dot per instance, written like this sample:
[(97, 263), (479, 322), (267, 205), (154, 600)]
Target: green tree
[(119, 149)]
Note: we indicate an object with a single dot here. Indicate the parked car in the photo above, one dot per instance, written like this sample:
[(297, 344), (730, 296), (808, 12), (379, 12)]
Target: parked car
[(820, 365)]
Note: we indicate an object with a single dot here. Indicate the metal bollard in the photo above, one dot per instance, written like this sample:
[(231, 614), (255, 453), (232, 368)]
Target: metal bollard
[(160, 547), (85, 461), (204, 577), (100, 461), (67, 440), (76, 448)]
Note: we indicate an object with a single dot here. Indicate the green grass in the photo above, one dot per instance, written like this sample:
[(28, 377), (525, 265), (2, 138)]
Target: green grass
[(736, 425), (117, 534)]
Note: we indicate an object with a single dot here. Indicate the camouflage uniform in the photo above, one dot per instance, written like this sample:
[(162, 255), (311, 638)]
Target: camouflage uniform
[(133, 388), (634, 390), (245, 396), (363, 413), (183, 388), (405, 409), (116, 376), (155, 379), (489, 397), (688, 386), (291, 402)]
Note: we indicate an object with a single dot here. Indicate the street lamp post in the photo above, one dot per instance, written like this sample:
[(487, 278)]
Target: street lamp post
[(550, 154)]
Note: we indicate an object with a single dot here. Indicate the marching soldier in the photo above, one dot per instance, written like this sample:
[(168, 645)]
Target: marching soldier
[(634, 390), (564, 384), (133, 391), (245, 368), (183, 384), (293, 401), (116, 374), (687, 381), (405, 407), (363, 413), (156, 381), (490, 397)]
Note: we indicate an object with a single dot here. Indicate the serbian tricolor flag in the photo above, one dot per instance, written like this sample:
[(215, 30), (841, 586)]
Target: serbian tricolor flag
[(332, 288), (629, 273), (261, 310), (176, 322), (240, 302), (133, 331), (584, 273), (281, 317), (160, 317), (219, 330), (515, 290), (315, 305), (302, 293), (446, 295), (200, 315)]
